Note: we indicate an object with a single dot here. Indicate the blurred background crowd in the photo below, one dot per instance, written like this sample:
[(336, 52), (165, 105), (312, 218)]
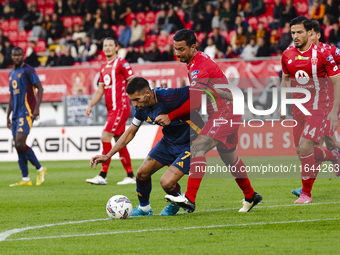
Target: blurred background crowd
[(71, 32)]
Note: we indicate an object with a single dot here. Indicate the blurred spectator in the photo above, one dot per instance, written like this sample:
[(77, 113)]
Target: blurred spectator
[(238, 40), (52, 59), (77, 33), (3, 38), (289, 13), (121, 52), (76, 52), (279, 8), (1, 14), (250, 33), (6, 51), (137, 34), (74, 7), (88, 50), (31, 56), (32, 18), (219, 40), (255, 8), (168, 53), (60, 8), (8, 9), (40, 31), (204, 19), (65, 59), (96, 33), (215, 22), (332, 8), (56, 27), (68, 37), (239, 22), (127, 16), (195, 9), (141, 55), (327, 22), (131, 55), (286, 38), (230, 53), (113, 20), (20, 9), (160, 22), (172, 22), (125, 35), (249, 52), (274, 37), (227, 16), (88, 22), (120, 9), (105, 10), (210, 50), (153, 55), (107, 31), (334, 37), (263, 49), (89, 6), (99, 16), (262, 33), (317, 11)]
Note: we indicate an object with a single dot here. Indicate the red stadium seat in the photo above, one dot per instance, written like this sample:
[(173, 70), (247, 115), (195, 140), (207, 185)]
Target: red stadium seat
[(13, 25), (40, 3), (150, 18), (149, 27), (180, 14), (253, 22), (49, 10), (78, 20), (200, 37), (141, 18), (149, 39), (301, 8), (22, 45), (162, 40), (5, 25), (171, 39), (230, 36), (29, 34), (50, 2), (264, 20), (13, 36), (67, 22), (224, 34), (40, 46), (115, 29), (189, 24), (22, 37)]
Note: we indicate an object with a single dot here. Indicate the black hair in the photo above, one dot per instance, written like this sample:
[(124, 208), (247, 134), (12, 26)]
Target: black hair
[(185, 35), (302, 20), (111, 38), (316, 26), (137, 84), (17, 49)]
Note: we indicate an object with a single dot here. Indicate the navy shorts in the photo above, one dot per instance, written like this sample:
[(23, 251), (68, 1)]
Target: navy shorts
[(176, 155), (22, 125)]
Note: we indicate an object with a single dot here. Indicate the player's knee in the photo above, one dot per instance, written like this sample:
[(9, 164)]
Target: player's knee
[(142, 174), (20, 147), (167, 185), (304, 149)]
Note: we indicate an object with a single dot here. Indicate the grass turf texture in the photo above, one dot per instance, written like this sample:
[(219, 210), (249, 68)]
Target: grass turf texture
[(215, 228)]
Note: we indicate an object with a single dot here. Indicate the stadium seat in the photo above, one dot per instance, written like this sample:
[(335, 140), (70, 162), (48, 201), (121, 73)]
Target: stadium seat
[(189, 24), (231, 35), (181, 15), (67, 22), (115, 29), (162, 40), (78, 20), (22, 45), (253, 22), (171, 39), (40, 3), (301, 7), (141, 18), (49, 10), (200, 37), (40, 46), (327, 31), (22, 37), (264, 20), (149, 27), (13, 25), (150, 18), (224, 34), (42, 10), (5, 25), (13, 36), (29, 34), (149, 39)]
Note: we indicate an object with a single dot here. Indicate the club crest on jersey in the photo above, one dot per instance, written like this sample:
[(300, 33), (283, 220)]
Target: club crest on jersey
[(330, 57), (107, 79), (193, 73), (299, 57), (314, 61), (301, 77), (19, 75), (126, 65)]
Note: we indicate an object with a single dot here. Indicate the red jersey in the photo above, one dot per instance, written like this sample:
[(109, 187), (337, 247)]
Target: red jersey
[(200, 71), (114, 76), (309, 70)]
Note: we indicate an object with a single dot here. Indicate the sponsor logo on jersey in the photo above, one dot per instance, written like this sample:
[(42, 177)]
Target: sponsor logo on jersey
[(148, 119), (180, 164), (301, 77), (19, 75), (337, 51), (299, 57), (107, 79), (330, 57), (290, 61), (314, 61), (126, 65), (335, 68), (193, 73), (333, 62)]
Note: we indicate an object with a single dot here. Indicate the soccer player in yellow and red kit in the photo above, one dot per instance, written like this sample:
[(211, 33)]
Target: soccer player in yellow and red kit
[(114, 77), (200, 70), (308, 66)]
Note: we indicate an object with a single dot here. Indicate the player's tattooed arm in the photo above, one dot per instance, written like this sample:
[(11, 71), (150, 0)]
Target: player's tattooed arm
[(223, 94), (202, 145)]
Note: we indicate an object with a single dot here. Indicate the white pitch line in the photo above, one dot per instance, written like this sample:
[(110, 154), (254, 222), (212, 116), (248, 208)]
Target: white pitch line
[(174, 229), (8, 233)]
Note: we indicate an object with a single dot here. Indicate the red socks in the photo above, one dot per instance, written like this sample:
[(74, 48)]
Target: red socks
[(321, 155), (126, 160), (106, 148), (308, 175), (242, 179), (197, 171)]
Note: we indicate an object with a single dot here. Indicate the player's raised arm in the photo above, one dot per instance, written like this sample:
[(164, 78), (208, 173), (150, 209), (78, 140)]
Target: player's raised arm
[(285, 83), (95, 99), (40, 96), (128, 135), (333, 115)]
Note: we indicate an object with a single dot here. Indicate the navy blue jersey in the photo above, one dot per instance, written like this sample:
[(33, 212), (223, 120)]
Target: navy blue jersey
[(21, 87), (167, 100)]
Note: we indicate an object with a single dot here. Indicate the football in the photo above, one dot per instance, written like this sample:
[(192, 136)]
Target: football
[(119, 207)]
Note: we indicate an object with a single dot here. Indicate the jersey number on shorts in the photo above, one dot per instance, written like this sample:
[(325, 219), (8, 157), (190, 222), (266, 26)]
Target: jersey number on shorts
[(187, 155), (311, 132)]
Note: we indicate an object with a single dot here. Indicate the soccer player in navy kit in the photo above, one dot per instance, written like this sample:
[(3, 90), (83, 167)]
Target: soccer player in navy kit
[(173, 148), (24, 106)]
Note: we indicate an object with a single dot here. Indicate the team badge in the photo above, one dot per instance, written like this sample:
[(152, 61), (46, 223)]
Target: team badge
[(314, 61), (107, 79), (301, 77), (330, 57), (193, 73), (19, 75)]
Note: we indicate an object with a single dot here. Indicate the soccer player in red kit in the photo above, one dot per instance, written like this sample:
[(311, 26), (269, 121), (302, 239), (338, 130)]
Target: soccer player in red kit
[(307, 66), (114, 77), (200, 69)]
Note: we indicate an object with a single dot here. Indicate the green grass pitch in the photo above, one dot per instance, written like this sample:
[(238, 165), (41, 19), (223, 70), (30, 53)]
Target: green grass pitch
[(65, 215)]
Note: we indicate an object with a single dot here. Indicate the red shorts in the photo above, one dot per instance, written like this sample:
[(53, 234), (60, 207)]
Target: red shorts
[(310, 127), (116, 121), (225, 130)]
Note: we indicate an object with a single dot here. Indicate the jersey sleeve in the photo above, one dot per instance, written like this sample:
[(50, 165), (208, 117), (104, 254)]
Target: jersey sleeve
[(137, 119), (284, 66), (331, 67), (126, 69), (101, 78), (32, 75), (336, 54)]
